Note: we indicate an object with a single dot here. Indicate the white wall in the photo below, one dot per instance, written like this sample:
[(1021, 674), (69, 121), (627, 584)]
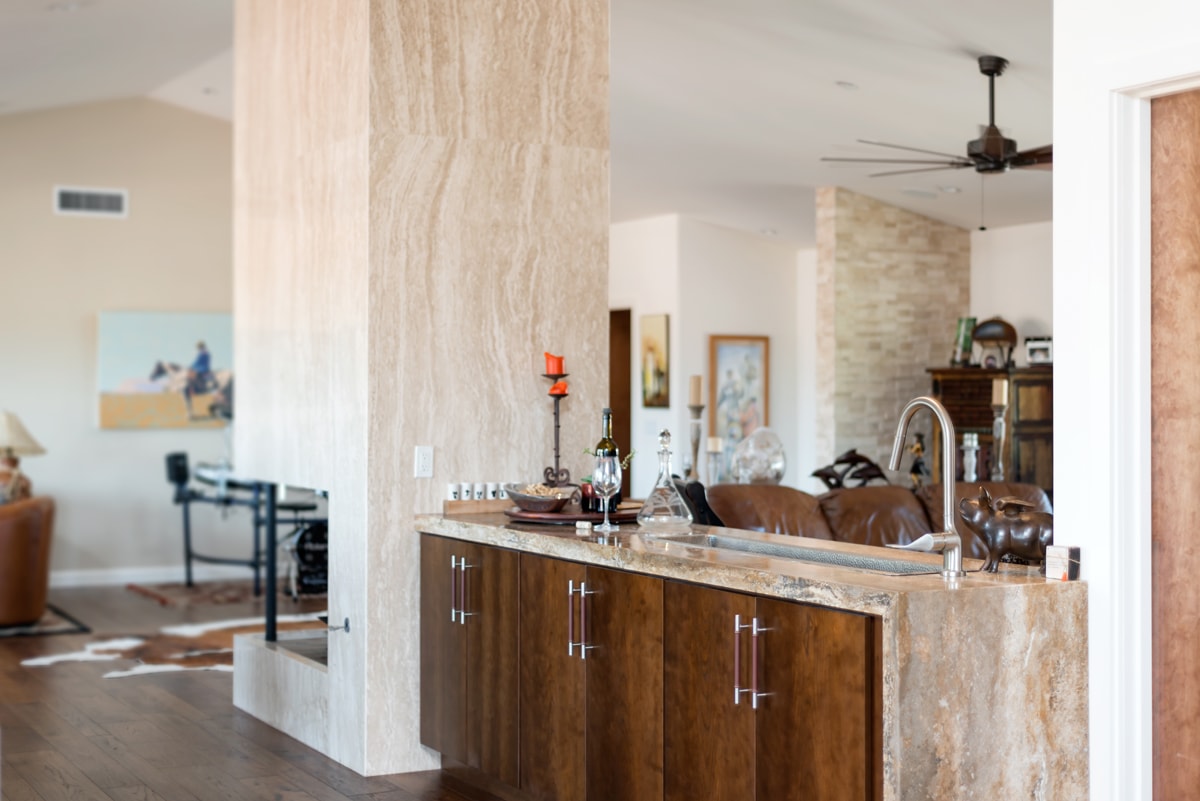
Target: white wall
[(643, 260), (173, 253), (1012, 277), (714, 280), (806, 459), (1109, 56), (731, 282)]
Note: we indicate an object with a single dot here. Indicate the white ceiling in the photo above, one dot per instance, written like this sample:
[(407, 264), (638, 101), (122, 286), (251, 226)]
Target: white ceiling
[(721, 109)]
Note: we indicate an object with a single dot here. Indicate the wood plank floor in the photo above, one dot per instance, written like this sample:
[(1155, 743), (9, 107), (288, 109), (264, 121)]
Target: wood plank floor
[(68, 733)]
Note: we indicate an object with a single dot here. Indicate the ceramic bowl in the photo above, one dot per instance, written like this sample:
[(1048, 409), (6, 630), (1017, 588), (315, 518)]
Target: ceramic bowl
[(539, 503)]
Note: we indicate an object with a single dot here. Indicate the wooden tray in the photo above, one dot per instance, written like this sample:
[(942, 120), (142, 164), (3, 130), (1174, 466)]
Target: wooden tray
[(570, 519)]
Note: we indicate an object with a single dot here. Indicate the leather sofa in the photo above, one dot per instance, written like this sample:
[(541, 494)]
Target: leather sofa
[(881, 514), (26, 528)]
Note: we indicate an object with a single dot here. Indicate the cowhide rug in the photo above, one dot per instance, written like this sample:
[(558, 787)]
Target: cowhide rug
[(193, 646)]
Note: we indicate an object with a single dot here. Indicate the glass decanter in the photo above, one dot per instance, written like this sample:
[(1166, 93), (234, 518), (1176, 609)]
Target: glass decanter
[(664, 510)]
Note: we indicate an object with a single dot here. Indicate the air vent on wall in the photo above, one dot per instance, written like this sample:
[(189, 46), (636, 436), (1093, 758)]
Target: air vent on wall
[(91, 202)]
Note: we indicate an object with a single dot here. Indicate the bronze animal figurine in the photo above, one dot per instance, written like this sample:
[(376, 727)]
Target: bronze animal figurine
[(1008, 526)]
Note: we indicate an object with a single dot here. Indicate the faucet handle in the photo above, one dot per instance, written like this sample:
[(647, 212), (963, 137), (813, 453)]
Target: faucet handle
[(931, 543)]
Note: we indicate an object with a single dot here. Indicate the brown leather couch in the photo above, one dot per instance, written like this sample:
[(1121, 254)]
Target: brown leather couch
[(25, 532), (882, 514)]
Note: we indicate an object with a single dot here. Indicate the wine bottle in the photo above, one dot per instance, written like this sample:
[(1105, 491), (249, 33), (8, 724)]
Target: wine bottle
[(607, 446)]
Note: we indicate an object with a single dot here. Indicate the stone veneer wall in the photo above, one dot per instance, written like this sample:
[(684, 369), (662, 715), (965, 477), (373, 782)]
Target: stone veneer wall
[(891, 286)]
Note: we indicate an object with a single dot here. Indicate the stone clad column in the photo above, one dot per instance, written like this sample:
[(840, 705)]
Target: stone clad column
[(421, 199)]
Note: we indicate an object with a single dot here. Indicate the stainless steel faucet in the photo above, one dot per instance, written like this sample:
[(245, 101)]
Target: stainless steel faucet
[(948, 542)]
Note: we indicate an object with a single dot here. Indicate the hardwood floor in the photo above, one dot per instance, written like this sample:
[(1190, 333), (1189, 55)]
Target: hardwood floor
[(67, 733)]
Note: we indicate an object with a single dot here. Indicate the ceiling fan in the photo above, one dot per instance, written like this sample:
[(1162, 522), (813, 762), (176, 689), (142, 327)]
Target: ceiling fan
[(991, 152)]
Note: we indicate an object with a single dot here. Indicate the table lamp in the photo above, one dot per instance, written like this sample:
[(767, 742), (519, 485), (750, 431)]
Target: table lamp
[(15, 441)]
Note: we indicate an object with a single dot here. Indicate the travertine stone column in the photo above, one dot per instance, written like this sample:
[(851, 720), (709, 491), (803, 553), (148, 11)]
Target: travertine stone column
[(422, 209)]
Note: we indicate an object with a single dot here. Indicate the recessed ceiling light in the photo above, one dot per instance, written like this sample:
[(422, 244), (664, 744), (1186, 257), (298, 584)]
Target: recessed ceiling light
[(64, 8), (768, 231), (846, 85), (921, 193), (208, 90), (949, 190)]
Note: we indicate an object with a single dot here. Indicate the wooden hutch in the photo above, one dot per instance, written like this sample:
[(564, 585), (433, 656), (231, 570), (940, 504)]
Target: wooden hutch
[(1028, 451)]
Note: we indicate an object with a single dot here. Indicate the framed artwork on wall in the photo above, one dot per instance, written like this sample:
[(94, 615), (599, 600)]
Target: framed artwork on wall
[(739, 382), (165, 369), (656, 370)]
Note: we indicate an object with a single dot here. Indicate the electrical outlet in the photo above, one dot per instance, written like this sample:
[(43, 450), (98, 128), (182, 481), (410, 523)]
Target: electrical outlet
[(423, 462)]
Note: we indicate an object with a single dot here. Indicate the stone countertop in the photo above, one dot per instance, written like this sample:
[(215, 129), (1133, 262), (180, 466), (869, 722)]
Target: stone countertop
[(810, 582), (984, 679)]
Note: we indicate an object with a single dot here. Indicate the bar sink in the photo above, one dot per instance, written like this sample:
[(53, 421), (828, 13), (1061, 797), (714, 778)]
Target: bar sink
[(778, 550)]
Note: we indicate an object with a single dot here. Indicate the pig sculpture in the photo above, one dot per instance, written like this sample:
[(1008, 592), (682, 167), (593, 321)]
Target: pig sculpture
[(1008, 525)]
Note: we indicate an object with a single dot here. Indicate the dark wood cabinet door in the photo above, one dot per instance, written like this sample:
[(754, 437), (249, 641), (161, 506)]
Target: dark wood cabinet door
[(816, 724), (709, 741), (624, 631), (551, 683), (491, 607), (443, 651)]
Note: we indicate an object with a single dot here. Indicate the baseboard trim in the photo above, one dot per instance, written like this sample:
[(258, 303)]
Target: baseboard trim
[(119, 576)]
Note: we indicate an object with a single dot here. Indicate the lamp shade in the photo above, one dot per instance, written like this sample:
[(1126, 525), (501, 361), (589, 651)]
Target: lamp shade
[(15, 439)]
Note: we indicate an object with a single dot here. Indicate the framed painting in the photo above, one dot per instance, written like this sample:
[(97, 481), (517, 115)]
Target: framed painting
[(656, 369), (165, 369), (739, 382)]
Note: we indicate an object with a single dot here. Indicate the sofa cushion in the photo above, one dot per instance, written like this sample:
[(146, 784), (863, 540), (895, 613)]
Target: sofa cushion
[(874, 515), (973, 547), (769, 507)]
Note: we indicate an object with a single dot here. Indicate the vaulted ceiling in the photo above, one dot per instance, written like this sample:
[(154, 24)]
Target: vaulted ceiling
[(721, 109)]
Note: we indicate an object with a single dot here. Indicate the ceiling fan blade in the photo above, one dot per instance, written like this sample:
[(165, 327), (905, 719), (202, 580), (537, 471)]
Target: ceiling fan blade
[(1038, 158), (955, 163), (913, 149), (922, 169)]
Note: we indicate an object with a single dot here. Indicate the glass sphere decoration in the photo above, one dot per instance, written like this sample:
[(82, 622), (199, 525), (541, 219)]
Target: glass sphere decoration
[(759, 458)]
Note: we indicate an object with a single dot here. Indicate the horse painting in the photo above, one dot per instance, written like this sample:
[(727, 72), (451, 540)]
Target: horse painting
[(174, 377)]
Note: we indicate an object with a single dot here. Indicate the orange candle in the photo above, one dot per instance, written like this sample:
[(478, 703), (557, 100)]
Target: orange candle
[(554, 364), (559, 388)]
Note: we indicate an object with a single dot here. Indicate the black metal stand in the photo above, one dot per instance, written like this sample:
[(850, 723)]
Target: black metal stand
[(271, 521), (556, 476), (265, 518)]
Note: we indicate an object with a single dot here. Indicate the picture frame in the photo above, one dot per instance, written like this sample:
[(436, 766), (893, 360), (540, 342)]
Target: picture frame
[(655, 354), (739, 386), (164, 369)]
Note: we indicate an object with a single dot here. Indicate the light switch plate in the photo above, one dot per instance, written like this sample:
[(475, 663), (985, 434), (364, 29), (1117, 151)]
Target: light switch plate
[(423, 462)]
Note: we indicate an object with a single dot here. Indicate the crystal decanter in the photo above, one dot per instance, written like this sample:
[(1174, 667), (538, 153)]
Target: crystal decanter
[(664, 510)]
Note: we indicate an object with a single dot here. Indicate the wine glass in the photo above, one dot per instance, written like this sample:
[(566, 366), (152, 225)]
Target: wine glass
[(606, 480)]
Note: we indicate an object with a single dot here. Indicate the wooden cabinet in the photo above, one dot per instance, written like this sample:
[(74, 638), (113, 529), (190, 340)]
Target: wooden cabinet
[(469, 596), (591, 682), (769, 699), (619, 685), (1028, 450)]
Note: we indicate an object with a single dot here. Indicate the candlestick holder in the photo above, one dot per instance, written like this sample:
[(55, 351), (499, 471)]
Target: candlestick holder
[(695, 410), (970, 454), (714, 465), (998, 410), (556, 476)]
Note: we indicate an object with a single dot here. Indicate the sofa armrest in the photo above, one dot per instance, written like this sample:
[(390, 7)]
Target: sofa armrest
[(26, 528)]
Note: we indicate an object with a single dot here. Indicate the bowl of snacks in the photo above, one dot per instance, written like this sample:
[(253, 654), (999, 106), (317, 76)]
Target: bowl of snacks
[(539, 497)]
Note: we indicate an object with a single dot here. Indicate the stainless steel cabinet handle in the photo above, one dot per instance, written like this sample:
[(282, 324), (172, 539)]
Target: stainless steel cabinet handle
[(583, 636), (453, 588), (571, 619), (738, 625), (581, 643), (463, 614), (755, 630)]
